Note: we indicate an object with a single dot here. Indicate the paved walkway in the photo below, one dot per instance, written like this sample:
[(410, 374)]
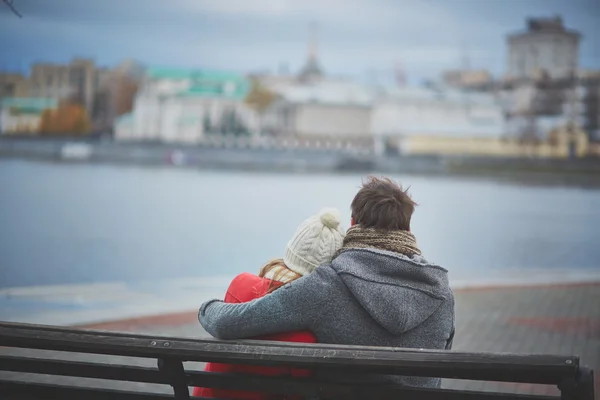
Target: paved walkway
[(536, 320)]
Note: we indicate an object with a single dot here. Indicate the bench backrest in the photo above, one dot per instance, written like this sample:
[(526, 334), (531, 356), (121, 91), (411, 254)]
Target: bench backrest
[(565, 372)]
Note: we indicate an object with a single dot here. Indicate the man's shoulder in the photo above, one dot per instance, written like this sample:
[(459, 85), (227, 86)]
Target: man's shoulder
[(318, 287), (323, 277), (325, 273)]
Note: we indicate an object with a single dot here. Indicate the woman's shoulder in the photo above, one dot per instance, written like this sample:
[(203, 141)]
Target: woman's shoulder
[(246, 287), (246, 277)]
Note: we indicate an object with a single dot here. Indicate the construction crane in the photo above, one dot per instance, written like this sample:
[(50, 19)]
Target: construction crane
[(10, 5)]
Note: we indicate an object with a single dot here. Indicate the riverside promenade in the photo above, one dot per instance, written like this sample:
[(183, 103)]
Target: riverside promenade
[(546, 319)]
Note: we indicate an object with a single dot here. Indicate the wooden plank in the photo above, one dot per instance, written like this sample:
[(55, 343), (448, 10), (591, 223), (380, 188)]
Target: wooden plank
[(281, 385), (82, 369), (480, 366), (18, 390), (329, 390), (10, 389)]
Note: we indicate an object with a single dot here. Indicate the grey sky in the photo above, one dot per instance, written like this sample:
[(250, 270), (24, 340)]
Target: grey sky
[(425, 36)]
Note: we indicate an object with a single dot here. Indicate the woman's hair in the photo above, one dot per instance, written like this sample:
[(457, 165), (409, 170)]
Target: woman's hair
[(281, 274)]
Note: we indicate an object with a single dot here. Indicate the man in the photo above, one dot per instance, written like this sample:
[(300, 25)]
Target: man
[(378, 290)]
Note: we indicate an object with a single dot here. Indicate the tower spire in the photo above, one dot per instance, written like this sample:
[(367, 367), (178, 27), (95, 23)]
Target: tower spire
[(312, 41), (311, 69)]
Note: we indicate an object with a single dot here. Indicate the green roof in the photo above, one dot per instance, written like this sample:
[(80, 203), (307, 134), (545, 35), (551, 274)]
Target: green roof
[(239, 91), (205, 83), (194, 74), (29, 104)]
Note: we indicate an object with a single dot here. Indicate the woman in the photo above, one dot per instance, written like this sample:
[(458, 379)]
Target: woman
[(315, 242)]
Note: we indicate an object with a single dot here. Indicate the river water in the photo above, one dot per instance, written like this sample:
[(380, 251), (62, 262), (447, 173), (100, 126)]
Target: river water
[(65, 224)]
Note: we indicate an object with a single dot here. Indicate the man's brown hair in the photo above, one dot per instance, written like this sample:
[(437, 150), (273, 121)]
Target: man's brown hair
[(382, 204)]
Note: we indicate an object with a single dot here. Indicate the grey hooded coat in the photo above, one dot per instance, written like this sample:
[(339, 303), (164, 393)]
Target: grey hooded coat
[(364, 297)]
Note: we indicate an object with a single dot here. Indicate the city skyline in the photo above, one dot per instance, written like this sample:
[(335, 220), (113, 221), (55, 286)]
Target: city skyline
[(355, 37)]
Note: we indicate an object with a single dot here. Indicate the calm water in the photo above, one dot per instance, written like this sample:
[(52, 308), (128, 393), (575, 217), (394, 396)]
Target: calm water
[(88, 223)]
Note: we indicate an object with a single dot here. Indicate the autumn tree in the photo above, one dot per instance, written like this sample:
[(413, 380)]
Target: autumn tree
[(47, 122), (260, 98), (68, 118)]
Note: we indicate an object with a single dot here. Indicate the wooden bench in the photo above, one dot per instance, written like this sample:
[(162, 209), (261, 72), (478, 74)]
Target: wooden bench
[(573, 381)]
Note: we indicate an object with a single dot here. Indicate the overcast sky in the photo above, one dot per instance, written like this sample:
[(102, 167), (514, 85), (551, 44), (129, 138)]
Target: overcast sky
[(355, 36)]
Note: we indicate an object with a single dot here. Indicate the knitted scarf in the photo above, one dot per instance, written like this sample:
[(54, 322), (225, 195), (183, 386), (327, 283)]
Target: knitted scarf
[(397, 241)]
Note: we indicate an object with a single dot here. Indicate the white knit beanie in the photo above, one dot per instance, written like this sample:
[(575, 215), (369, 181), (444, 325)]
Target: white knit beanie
[(315, 242)]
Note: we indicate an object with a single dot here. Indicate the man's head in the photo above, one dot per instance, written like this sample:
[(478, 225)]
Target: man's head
[(382, 204)]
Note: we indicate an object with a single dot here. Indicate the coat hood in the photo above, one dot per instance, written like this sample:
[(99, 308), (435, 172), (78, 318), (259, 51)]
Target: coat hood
[(398, 292)]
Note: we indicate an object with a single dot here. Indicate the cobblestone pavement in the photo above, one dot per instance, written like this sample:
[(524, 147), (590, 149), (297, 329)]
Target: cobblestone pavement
[(562, 320)]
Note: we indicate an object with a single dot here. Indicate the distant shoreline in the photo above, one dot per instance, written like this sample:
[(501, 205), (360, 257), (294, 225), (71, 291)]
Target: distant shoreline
[(583, 173)]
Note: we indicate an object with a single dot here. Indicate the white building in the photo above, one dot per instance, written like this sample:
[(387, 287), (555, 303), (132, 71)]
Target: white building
[(349, 110), (546, 45), (23, 115), (409, 111), (180, 105), (326, 109)]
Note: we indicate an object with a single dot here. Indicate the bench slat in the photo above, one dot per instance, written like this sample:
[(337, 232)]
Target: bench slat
[(306, 387), (79, 369), (345, 390), (19, 390), (493, 367)]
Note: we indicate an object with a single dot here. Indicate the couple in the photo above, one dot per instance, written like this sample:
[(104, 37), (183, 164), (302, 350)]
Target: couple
[(369, 286)]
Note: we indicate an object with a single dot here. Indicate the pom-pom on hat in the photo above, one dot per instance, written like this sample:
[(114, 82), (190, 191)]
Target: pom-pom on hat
[(315, 242)]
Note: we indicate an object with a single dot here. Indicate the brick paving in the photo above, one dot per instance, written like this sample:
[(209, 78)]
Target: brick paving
[(561, 320)]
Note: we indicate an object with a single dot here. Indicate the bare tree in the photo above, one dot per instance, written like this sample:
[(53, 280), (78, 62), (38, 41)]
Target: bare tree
[(10, 5)]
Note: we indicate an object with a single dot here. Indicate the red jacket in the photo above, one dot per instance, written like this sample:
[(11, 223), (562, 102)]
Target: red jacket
[(247, 287)]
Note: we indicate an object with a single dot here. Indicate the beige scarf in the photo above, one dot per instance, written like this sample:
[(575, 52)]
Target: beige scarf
[(397, 241)]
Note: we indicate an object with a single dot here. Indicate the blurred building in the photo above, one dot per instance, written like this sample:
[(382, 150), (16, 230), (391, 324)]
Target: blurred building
[(77, 81), (537, 106), (481, 80), (101, 91), (546, 45), (183, 105), (543, 88), (13, 85), (115, 94), (406, 111), (424, 119), (429, 120), (325, 109), (23, 115)]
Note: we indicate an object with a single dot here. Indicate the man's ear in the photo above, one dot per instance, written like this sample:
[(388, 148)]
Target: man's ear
[(352, 223)]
